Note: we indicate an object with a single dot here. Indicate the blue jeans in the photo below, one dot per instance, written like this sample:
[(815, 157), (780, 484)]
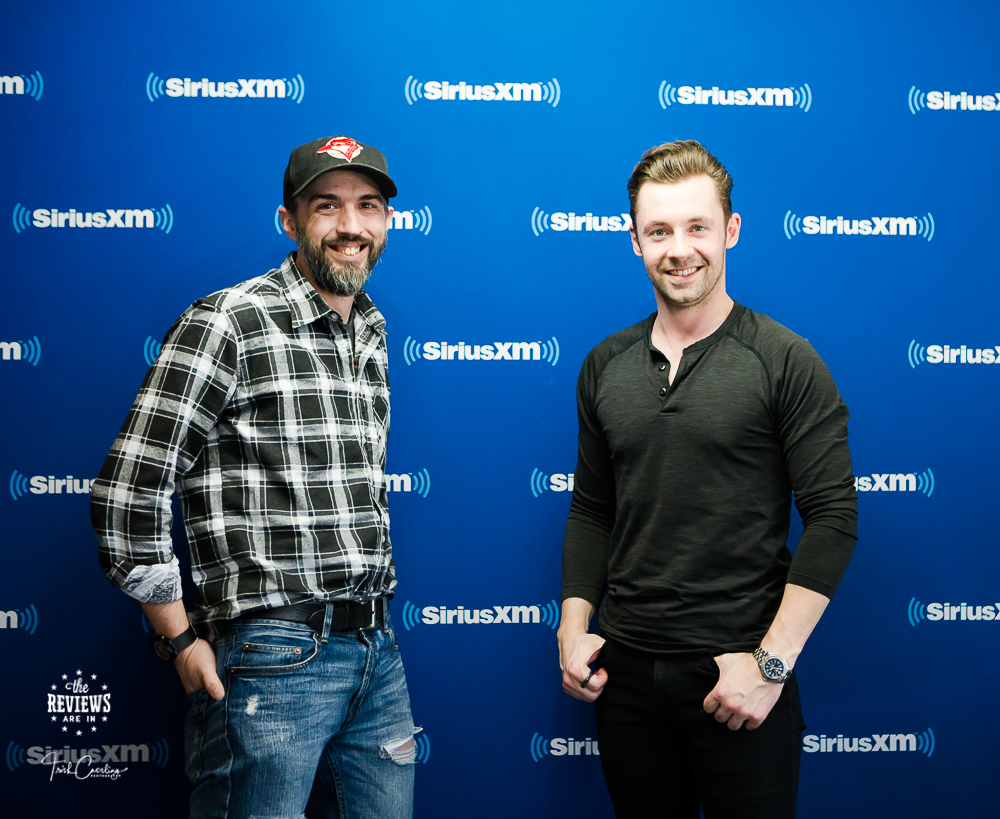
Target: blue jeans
[(313, 724)]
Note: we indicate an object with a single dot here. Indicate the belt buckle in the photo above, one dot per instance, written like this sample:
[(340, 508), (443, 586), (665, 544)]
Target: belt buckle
[(371, 620)]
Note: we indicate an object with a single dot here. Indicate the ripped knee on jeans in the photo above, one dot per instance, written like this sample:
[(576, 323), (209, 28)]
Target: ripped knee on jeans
[(401, 751)]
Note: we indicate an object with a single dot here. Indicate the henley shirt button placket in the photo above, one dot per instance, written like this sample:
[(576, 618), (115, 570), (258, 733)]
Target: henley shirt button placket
[(663, 390)]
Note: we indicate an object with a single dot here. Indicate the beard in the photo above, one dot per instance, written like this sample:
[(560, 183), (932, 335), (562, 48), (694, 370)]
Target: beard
[(335, 277)]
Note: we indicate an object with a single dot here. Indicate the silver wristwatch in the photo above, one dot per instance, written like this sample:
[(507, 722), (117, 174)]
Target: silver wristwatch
[(772, 667)]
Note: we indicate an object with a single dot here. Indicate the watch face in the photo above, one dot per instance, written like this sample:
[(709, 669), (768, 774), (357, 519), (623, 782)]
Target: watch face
[(774, 668), (161, 650)]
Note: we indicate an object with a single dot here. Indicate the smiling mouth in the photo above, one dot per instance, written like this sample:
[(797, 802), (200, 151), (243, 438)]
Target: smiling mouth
[(348, 248), (683, 272)]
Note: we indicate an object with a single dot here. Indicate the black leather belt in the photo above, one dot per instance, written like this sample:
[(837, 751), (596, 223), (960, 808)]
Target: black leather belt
[(348, 615)]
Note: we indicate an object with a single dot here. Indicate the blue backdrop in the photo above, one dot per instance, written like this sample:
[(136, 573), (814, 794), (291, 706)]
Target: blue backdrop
[(861, 139)]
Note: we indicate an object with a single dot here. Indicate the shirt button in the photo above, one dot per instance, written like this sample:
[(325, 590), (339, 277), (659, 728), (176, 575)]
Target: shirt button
[(663, 390), (663, 367)]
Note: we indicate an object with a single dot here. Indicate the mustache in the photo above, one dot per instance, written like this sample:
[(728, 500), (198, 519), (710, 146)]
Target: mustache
[(341, 238)]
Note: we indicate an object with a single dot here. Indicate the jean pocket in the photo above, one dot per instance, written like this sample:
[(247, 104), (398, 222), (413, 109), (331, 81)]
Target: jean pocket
[(194, 733), (262, 650)]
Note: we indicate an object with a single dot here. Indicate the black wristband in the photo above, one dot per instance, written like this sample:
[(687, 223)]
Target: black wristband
[(168, 649)]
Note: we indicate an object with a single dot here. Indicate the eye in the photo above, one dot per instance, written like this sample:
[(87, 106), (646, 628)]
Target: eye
[(658, 233), (699, 228)]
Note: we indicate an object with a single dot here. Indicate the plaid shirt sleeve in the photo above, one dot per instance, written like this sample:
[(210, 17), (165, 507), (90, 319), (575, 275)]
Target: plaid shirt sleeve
[(185, 390)]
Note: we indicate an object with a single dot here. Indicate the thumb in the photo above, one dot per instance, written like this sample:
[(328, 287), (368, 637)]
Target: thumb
[(213, 685)]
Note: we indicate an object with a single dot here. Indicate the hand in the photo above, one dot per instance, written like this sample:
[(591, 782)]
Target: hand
[(741, 697), (196, 667), (576, 652)]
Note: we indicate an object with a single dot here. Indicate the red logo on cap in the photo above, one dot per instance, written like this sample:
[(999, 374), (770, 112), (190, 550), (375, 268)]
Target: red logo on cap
[(341, 146)]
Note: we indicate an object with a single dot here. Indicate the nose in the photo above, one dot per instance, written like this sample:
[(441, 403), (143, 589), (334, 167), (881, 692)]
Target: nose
[(679, 247), (349, 221)]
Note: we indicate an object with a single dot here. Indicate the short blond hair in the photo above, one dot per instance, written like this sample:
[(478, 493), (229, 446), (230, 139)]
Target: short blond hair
[(676, 161)]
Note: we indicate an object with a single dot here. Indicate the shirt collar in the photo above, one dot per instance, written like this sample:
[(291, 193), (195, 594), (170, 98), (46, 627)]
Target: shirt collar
[(307, 304)]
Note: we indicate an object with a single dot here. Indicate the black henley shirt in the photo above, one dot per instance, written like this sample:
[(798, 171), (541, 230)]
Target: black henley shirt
[(683, 491)]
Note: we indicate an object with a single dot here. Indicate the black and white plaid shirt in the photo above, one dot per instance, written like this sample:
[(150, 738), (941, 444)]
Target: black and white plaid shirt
[(271, 425)]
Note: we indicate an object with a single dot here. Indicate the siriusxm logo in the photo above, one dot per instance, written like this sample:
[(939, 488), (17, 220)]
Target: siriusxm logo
[(30, 350), (917, 354), (559, 221), (151, 349), (293, 89), (419, 220), (823, 744), (32, 84), (548, 351), (25, 619), (41, 485), (557, 482), (545, 91), (419, 482), (162, 218), (800, 97), (917, 611), (546, 614), (156, 752), (951, 101), (561, 746), (896, 482), (922, 226)]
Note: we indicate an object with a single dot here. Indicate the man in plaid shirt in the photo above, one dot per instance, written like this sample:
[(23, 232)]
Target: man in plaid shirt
[(267, 411)]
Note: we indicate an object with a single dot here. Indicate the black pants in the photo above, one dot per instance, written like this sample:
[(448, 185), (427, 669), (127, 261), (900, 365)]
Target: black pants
[(663, 756)]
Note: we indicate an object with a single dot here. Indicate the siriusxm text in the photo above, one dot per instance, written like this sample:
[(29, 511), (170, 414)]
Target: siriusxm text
[(823, 744), (696, 95), (962, 101), (51, 485), (943, 354), (875, 226), (500, 91), (106, 753), (110, 218), (588, 221), (443, 616), (497, 351), (256, 89), (568, 746), (886, 482), (962, 611)]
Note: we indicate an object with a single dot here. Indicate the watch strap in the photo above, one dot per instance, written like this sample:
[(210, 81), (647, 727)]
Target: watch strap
[(169, 647), (762, 656)]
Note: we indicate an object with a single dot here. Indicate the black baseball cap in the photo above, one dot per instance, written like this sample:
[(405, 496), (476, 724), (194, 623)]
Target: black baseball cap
[(331, 154)]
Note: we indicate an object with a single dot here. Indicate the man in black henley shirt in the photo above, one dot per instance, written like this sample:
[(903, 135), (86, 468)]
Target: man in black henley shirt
[(696, 426)]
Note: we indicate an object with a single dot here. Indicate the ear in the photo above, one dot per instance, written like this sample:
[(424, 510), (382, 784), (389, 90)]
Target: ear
[(388, 216), (288, 223), (733, 231), (636, 247)]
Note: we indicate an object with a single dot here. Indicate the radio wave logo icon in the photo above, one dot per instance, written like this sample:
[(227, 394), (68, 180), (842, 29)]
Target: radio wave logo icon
[(31, 84), (550, 614), (27, 619), (793, 224), (412, 350), (916, 99), (925, 742), (925, 482), (297, 88), (18, 485), (30, 350), (539, 482), (915, 354), (21, 217), (413, 90), (667, 95), (423, 220), (411, 615), (164, 219), (277, 221), (539, 747), (154, 87), (15, 755), (159, 753), (916, 611), (423, 743), (420, 220), (550, 351), (151, 349), (804, 97), (551, 92), (925, 226), (421, 482), (539, 221)]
